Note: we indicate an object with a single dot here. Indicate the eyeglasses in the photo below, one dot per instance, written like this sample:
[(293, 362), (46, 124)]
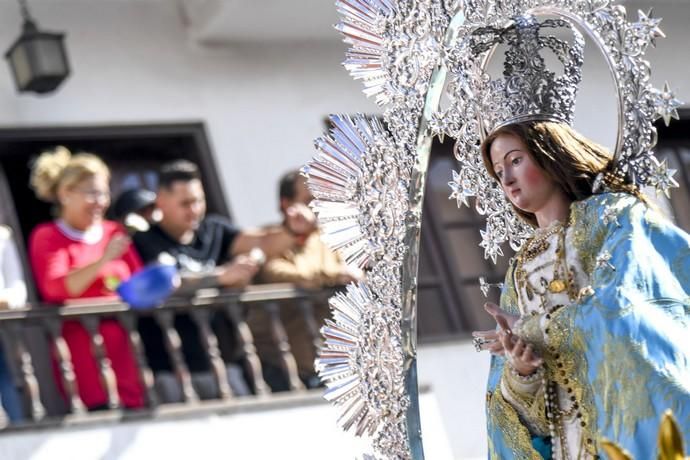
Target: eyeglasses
[(93, 196)]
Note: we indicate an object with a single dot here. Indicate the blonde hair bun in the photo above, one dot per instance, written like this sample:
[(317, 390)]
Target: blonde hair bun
[(58, 167), (46, 172)]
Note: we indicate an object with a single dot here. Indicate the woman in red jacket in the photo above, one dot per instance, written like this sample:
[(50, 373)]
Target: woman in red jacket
[(81, 255)]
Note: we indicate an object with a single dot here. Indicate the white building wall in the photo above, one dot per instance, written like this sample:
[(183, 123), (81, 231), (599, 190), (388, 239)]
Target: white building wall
[(133, 63), (307, 432), (457, 376)]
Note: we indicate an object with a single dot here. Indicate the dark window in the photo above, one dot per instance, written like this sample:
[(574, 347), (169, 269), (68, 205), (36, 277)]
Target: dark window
[(133, 154), (451, 257)]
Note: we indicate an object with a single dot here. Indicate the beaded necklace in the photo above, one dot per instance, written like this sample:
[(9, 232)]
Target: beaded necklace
[(563, 277)]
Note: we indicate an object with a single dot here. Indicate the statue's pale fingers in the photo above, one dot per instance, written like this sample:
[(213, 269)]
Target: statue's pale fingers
[(519, 348)]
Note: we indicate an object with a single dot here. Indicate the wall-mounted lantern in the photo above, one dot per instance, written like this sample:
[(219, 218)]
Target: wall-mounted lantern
[(38, 60)]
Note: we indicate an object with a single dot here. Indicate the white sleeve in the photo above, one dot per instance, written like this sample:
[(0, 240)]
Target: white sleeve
[(14, 289), (526, 395)]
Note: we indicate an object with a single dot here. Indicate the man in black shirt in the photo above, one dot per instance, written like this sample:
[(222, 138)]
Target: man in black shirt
[(208, 250)]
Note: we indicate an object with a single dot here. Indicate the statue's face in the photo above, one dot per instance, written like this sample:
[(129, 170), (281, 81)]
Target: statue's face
[(525, 184)]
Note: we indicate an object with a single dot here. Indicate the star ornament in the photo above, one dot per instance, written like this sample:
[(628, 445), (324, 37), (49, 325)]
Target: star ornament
[(603, 260), (438, 124), (662, 177), (666, 104), (484, 286), (490, 245), (610, 216), (458, 190), (649, 26)]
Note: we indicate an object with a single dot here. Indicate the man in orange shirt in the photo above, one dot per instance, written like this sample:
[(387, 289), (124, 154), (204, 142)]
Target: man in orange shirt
[(309, 264)]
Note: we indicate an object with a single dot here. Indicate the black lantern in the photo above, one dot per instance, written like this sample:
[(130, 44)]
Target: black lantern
[(38, 59)]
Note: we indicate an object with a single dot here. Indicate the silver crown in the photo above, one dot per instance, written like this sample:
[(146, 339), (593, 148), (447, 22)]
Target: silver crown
[(529, 90)]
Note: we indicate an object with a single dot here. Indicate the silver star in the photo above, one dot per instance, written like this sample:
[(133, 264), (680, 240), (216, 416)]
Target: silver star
[(484, 286), (662, 177), (603, 260), (649, 26), (490, 245), (610, 216), (458, 191), (666, 104), (438, 125)]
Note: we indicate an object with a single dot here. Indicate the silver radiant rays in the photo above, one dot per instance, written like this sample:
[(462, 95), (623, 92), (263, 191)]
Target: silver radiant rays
[(360, 182)]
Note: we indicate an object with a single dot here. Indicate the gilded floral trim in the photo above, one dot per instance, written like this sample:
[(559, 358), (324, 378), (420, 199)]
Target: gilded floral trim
[(532, 404), (617, 392), (588, 235), (509, 297), (515, 434)]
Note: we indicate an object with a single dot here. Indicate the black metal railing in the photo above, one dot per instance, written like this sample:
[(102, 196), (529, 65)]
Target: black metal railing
[(31, 335)]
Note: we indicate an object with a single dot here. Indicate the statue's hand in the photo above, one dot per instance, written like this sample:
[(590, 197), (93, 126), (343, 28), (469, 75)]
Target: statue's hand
[(519, 353)]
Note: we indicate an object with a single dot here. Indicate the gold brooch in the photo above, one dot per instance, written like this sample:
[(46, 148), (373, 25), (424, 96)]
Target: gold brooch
[(557, 286)]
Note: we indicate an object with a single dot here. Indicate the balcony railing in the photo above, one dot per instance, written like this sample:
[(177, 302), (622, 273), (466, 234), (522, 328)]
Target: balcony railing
[(32, 334)]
